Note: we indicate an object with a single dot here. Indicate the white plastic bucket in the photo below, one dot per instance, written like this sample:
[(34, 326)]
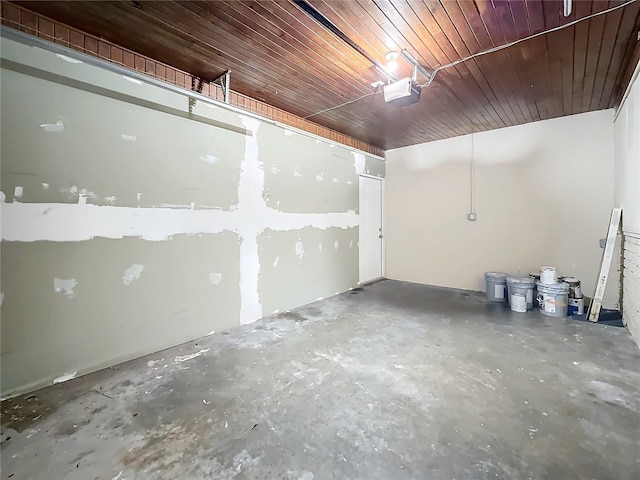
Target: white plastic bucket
[(523, 286), (548, 275), (553, 299), (496, 283), (518, 302)]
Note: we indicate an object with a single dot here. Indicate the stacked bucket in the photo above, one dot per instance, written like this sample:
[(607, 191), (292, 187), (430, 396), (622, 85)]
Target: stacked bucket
[(553, 296), (576, 300)]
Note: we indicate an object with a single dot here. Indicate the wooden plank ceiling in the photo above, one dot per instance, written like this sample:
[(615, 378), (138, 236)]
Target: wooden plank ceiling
[(279, 54)]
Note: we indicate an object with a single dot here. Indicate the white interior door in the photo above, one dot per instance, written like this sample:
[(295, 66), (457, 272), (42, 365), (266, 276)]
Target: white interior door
[(370, 229)]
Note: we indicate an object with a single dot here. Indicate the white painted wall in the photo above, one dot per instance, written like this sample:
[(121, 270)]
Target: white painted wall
[(627, 158), (544, 192), (627, 196)]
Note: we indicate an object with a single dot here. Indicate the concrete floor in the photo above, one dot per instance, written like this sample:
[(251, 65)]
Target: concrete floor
[(399, 381)]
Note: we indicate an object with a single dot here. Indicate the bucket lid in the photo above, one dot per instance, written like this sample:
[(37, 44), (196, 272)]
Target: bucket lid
[(553, 287), (571, 280), (520, 281), (495, 275)]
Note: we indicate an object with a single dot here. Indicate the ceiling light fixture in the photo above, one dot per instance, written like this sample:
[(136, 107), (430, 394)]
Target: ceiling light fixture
[(392, 60)]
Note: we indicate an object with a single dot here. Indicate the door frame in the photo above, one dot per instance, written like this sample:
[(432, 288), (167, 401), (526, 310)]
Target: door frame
[(383, 262)]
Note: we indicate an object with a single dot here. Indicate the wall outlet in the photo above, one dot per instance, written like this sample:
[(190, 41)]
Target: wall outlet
[(471, 216)]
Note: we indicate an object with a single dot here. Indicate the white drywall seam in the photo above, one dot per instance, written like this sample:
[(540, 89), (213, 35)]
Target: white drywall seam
[(250, 207), (73, 222)]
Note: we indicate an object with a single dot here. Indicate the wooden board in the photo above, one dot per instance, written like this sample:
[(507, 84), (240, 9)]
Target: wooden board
[(605, 265)]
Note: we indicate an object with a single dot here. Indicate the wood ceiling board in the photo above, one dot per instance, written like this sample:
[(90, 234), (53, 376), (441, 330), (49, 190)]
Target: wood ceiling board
[(443, 19), (596, 31), (469, 94), (581, 37), (303, 38), (309, 73), (628, 27), (493, 64), (274, 45), (284, 77), (610, 33), (631, 59), (361, 34), (481, 35), (424, 44), (613, 56)]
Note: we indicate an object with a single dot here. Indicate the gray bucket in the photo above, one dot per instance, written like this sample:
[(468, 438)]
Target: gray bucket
[(535, 276), (496, 286), (522, 286), (553, 299)]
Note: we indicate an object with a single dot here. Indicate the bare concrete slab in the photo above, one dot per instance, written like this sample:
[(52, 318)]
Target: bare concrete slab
[(399, 381)]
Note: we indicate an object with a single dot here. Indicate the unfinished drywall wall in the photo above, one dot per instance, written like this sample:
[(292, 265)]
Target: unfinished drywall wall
[(130, 225), (627, 196), (543, 196)]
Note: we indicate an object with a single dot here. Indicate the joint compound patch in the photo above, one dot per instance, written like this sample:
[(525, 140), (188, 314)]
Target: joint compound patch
[(65, 286), (65, 377), (319, 177), (184, 358), (215, 278), (275, 262), (45, 186), (129, 138), (110, 200), (18, 191), (297, 174), (289, 133), (320, 247), (132, 273), (3, 197), (274, 170), (133, 80), (350, 243), (299, 249), (359, 162), (335, 180), (68, 59), (210, 159), (57, 127), (336, 245)]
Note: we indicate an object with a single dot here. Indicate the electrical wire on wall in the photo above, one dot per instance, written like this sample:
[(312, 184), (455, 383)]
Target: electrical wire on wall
[(472, 173), (486, 52)]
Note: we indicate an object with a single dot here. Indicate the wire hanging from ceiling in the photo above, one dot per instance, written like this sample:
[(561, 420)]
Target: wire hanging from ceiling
[(344, 104), (485, 52)]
